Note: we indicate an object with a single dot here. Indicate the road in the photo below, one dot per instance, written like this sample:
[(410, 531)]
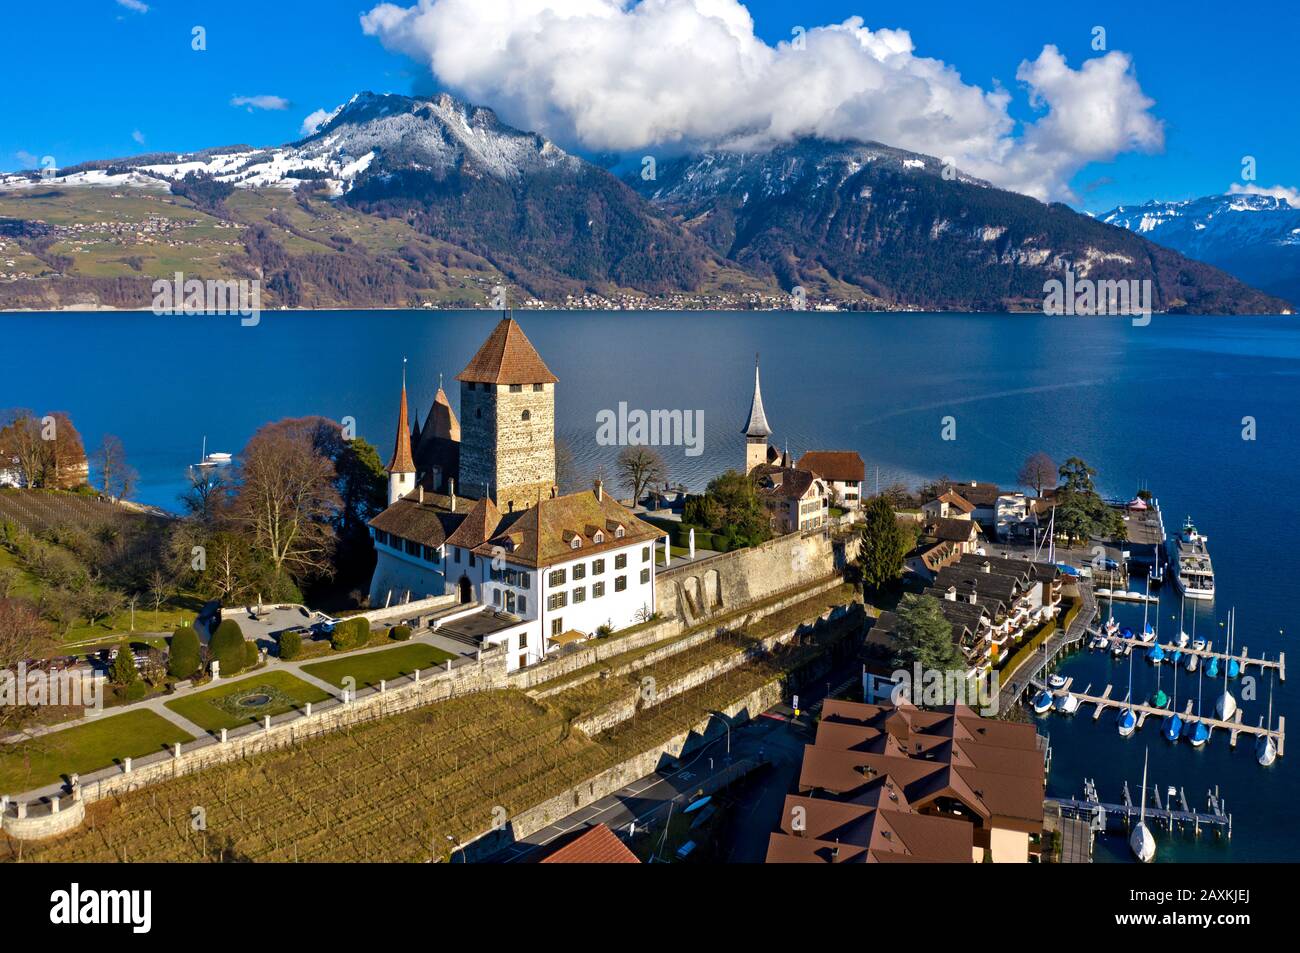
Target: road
[(775, 738)]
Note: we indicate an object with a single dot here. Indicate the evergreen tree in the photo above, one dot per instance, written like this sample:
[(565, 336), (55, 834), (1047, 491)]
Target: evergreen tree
[(183, 657), (123, 671), (1081, 513), (924, 636), (228, 647), (883, 545)]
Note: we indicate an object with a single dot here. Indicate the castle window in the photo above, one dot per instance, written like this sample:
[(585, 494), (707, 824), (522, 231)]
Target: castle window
[(579, 572), (522, 604), (645, 576), (580, 594), (598, 538), (412, 548), (597, 567), (471, 560), (516, 388), (478, 412), (645, 554), (557, 600), (619, 532), (525, 581), (597, 590), (620, 583), (577, 542), (537, 387), (496, 597), (620, 561), (556, 578), (526, 415)]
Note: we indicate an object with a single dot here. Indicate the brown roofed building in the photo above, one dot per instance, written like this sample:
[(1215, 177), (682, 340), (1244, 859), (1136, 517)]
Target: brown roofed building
[(884, 783), (843, 470), (595, 845)]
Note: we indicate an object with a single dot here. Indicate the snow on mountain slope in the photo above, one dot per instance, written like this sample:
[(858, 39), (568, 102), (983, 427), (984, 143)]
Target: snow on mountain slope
[(1255, 237), (370, 134)]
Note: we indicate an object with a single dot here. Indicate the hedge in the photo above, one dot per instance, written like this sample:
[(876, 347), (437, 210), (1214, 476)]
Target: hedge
[(227, 647), (400, 632), (183, 658), (351, 633), (290, 645)]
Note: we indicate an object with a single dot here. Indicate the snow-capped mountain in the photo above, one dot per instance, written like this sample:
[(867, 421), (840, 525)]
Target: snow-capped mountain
[(464, 195), (386, 132), (1255, 237), (905, 228)]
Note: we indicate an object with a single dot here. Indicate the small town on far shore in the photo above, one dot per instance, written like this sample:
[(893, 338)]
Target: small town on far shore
[(787, 665)]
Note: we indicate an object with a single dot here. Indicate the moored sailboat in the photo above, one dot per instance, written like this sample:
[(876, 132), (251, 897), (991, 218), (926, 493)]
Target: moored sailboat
[(1140, 841)]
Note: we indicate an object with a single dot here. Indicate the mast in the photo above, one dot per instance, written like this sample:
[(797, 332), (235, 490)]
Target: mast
[(1142, 811)]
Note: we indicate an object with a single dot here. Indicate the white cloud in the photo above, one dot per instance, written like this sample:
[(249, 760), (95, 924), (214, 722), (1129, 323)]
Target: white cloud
[(260, 102), (135, 5), (28, 160), (685, 74), (1291, 195), (315, 120), (138, 136)]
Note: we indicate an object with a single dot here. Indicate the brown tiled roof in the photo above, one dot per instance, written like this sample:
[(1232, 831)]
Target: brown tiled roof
[(842, 465), (958, 501), (877, 773), (788, 483), (597, 845), (536, 536), (441, 421), (981, 494), (952, 529), (401, 461), (507, 357), (428, 523), (480, 522)]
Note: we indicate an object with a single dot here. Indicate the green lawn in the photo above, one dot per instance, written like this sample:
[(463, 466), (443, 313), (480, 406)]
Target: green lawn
[(85, 748), (219, 707), (369, 669)]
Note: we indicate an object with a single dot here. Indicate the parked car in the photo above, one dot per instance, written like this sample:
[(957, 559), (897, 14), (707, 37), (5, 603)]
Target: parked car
[(324, 627)]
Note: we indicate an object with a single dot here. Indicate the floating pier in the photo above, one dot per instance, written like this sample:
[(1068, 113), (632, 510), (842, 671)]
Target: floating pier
[(1236, 726), (1243, 660), (1174, 813)]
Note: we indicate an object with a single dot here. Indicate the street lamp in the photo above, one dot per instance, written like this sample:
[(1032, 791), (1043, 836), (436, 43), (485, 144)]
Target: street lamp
[(727, 723)]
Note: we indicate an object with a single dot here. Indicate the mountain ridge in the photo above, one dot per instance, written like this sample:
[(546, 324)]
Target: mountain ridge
[(461, 197)]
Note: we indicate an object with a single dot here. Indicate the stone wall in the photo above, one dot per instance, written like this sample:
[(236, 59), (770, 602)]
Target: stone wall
[(620, 776), (717, 584), (502, 454)]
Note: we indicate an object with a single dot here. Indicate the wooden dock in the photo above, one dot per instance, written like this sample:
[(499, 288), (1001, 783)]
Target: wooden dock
[(1234, 727), (1243, 660), (1173, 813)]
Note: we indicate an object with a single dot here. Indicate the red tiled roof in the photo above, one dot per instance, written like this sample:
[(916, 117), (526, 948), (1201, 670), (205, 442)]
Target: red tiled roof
[(401, 461), (844, 466), (507, 357), (598, 845)]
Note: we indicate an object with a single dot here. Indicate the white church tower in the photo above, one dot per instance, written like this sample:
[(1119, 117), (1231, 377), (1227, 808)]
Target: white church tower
[(756, 429), (401, 469)]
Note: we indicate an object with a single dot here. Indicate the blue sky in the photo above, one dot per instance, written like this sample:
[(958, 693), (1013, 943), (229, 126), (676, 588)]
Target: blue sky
[(99, 78)]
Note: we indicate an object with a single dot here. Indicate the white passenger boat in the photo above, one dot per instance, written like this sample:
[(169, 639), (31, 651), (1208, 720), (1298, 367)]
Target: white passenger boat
[(1193, 571)]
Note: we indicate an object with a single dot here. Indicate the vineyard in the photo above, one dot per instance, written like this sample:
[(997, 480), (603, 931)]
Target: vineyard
[(41, 511), (405, 788)]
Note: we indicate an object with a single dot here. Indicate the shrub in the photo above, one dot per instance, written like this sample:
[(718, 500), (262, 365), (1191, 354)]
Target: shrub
[(228, 647), (123, 671), (290, 645), (351, 633), (183, 656), (400, 632), (251, 655), (135, 691)]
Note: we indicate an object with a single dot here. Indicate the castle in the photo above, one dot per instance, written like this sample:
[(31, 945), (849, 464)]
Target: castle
[(474, 509)]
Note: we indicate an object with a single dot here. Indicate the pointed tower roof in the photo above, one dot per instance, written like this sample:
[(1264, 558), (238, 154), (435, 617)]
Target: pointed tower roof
[(402, 462), (757, 424), (507, 357), (441, 421)]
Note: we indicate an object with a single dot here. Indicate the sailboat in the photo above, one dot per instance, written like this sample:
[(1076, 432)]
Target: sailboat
[(1141, 841), (1159, 699), (1226, 706), (1127, 719), (1042, 702), (1193, 660), (1266, 747), (1174, 723), (1197, 733), (212, 459)]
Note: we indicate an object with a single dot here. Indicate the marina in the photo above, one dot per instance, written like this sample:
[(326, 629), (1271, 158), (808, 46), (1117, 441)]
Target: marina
[(1173, 813)]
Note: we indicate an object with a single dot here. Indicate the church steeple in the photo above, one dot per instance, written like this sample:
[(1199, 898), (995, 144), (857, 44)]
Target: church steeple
[(756, 430), (401, 468), (757, 424)]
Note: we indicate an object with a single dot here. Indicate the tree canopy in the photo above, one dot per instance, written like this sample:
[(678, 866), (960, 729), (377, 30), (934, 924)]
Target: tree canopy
[(924, 636), (884, 544), (1081, 513)]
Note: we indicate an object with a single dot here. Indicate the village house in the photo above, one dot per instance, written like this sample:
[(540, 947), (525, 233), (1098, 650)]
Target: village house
[(884, 783), (475, 511), (982, 499), (843, 471)]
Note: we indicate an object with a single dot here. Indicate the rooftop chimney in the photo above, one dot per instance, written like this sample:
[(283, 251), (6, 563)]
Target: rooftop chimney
[(600, 490), (452, 485), (421, 497)]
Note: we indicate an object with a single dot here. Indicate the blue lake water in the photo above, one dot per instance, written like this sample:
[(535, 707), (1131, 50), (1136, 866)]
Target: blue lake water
[(1160, 406)]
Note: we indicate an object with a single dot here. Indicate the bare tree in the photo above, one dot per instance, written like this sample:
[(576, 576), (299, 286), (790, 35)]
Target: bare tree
[(23, 636), (160, 590), (22, 447), (1038, 472), (639, 468), (116, 476), (287, 499)]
